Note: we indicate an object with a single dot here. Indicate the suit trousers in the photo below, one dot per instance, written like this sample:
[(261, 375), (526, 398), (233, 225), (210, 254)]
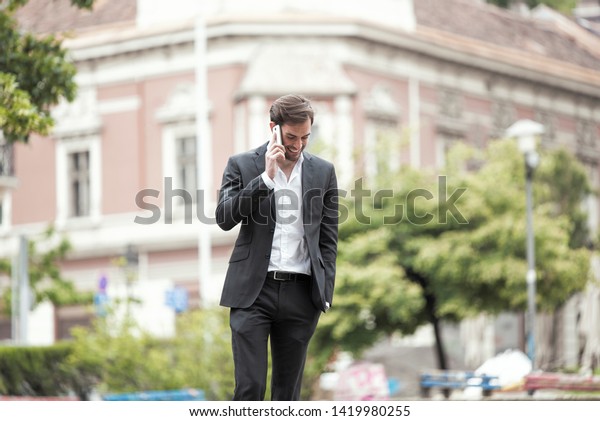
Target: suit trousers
[(285, 315)]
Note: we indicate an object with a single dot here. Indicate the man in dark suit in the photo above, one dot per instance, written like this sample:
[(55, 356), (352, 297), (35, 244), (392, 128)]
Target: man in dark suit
[(282, 269)]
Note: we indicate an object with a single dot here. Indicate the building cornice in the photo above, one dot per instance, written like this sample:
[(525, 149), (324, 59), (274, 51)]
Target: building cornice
[(425, 41), (511, 62)]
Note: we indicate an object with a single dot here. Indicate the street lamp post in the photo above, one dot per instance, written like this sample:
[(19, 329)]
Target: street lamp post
[(526, 131), (131, 267)]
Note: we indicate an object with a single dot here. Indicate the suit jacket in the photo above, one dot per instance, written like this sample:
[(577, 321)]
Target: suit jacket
[(245, 199)]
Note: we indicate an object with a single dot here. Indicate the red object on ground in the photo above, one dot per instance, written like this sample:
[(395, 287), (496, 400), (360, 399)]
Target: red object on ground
[(38, 398), (561, 382)]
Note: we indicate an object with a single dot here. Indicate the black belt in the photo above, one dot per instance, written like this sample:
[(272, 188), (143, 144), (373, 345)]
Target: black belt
[(288, 276)]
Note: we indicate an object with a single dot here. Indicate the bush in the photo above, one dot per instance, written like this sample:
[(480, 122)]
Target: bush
[(118, 357), (35, 371)]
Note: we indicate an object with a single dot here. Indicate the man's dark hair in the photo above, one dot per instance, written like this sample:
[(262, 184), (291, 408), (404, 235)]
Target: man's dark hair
[(291, 109)]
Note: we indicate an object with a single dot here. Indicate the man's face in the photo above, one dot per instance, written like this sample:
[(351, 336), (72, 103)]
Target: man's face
[(295, 138)]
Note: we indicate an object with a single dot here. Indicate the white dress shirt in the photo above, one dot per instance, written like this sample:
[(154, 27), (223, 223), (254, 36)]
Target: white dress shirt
[(288, 252)]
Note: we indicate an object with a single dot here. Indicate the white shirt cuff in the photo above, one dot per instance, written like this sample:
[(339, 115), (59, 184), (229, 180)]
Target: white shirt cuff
[(270, 183)]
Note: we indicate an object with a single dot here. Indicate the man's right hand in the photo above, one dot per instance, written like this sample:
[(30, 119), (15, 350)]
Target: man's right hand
[(274, 157)]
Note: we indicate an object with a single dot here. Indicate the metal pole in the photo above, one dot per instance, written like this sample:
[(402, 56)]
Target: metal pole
[(204, 165), (24, 298), (131, 268), (14, 305), (531, 275)]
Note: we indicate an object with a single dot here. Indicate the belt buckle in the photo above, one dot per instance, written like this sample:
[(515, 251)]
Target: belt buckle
[(277, 278)]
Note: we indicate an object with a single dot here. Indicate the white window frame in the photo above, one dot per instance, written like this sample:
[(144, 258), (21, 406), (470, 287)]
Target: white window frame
[(6, 195), (376, 135), (444, 142), (5, 211), (170, 134), (65, 147)]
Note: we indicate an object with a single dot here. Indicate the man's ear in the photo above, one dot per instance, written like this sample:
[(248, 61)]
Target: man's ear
[(271, 125)]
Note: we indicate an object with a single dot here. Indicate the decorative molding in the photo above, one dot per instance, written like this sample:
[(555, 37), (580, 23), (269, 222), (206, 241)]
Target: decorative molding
[(381, 105), (119, 105), (180, 105), (78, 118), (318, 59), (450, 103), (450, 117), (503, 115)]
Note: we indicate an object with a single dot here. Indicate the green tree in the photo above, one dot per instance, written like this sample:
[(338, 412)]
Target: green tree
[(480, 268), (445, 248), (564, 6), (35, 75)]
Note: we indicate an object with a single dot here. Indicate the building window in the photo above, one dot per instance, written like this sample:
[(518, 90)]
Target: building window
[(444, 143), (6, 158), (382, 139), (584, 133), (180, 153), (185, 163), (79, 183), (383, 145), (5, 211), (179, 158), (78, 180)]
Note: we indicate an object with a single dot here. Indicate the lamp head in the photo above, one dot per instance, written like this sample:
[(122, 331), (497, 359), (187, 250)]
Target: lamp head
[(525, 131), (131, 255)]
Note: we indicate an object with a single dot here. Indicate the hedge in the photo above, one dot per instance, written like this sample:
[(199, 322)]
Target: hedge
[(39, 371)]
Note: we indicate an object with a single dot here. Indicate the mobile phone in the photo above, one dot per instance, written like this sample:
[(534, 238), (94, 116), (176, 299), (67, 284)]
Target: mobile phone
[(277, 131)]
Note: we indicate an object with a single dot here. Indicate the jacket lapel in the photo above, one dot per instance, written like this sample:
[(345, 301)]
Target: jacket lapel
[(259, 159), (308, 187)]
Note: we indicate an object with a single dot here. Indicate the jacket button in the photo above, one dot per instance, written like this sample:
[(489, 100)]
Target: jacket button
[(267, 256)]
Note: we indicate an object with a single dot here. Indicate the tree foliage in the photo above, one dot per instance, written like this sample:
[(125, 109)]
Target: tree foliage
[(35, 74), (116, 356), (481, 266), (425, 248), (564, 6), (35, 370)]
